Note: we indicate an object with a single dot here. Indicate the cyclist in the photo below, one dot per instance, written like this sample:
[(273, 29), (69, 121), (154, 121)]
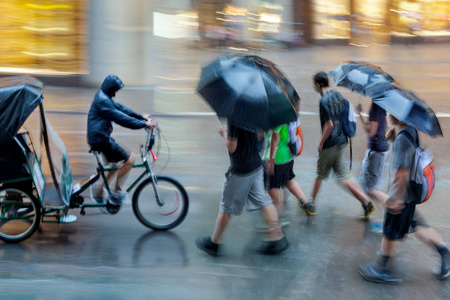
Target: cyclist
[(104, 110)]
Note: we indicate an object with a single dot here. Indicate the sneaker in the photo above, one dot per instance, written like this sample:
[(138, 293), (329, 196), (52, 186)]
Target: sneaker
[(308, 208), (444, 274), (273, 247), (368, 209), (205, 244), (118, 197), (445, 268), (378, 274)]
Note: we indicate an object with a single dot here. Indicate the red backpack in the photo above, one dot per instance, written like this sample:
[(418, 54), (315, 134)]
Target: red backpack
[(295, 143)]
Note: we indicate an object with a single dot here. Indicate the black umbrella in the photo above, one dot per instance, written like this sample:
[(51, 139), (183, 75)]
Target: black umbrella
[(359, 76), (407, 108), (371, 81), (250, 91)]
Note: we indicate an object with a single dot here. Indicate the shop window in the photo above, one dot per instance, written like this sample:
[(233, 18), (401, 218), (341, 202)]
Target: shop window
[(43, 37)]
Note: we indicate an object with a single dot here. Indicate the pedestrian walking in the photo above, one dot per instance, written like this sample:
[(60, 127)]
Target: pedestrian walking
[(333, 143), (280, 174), (401, 215), (244, 185), (374, 161)]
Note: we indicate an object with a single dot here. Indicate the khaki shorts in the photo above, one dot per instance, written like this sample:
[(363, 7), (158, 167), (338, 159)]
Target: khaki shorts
[(332, 158)]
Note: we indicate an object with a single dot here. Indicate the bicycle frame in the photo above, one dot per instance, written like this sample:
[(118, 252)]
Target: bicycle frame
[(101, 172)]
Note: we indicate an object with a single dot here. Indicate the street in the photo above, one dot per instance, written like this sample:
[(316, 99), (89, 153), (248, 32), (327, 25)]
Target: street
[(115, 257)]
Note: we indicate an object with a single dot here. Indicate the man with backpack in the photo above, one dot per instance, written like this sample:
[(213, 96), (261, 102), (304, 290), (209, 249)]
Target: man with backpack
[(401, 214), (333, 143)]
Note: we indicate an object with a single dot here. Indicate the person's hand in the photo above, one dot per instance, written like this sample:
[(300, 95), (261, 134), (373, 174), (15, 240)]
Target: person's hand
[(395, 206), (320, 147), (151, 124), (147, 117), (270, 166), (358, 108), (390, 134), (223, 132)]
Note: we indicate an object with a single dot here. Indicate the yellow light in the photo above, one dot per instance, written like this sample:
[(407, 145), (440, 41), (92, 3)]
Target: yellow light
[(46, 54), (47, 29), (46, 7)]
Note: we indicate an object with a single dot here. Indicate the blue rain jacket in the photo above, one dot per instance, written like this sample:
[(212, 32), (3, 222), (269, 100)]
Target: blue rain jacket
[(104, 110)]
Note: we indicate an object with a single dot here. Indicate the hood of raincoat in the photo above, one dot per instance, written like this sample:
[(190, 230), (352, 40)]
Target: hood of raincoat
[(111, 85)]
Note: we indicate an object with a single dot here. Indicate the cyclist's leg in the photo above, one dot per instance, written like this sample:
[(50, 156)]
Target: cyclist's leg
[(109, 178), (124, 171)]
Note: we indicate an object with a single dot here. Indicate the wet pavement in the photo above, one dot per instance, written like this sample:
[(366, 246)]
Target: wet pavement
[(115, 257)]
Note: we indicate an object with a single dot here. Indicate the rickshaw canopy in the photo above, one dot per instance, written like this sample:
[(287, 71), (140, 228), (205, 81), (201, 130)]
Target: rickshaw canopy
[(19, 96)]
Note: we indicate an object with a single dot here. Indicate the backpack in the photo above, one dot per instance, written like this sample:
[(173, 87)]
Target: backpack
[(348, 120), (423, 177), (295, 143)]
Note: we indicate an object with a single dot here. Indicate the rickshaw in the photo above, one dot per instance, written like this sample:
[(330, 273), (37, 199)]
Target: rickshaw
[(29, 196)]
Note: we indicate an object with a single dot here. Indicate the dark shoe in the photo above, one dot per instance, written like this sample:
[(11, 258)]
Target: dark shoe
[(378, 274), (368, 209), (308, 208), (445, 267), (205, 244), (273, 247)]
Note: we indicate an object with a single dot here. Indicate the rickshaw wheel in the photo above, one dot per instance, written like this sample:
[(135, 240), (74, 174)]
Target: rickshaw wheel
[(20, 215)]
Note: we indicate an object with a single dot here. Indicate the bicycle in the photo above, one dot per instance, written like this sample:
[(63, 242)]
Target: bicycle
[(159, 202)]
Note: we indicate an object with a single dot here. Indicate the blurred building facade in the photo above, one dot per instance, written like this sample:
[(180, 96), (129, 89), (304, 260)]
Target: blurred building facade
[(91, 39)]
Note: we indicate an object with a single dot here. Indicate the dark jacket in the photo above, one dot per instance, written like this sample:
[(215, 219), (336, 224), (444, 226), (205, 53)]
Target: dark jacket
[(104, 110)]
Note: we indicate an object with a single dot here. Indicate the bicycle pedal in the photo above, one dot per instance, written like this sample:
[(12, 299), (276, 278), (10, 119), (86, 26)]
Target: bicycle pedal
[(67, 219)]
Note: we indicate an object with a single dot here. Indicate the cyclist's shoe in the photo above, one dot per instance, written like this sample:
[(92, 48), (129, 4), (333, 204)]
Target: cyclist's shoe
[(377, 274), (118, 197), (205, 244), (368, 209), (308, 208), (273, 247)]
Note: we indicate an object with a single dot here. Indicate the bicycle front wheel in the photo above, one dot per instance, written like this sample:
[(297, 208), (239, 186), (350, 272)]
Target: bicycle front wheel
[(169, 211), (20, 215)]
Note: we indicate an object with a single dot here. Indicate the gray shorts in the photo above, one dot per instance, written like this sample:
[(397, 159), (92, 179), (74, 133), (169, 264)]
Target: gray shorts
[(372, 170), (241, 189)]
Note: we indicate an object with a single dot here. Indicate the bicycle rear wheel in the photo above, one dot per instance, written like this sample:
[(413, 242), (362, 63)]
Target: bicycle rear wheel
[(174, 198), (20, 215)]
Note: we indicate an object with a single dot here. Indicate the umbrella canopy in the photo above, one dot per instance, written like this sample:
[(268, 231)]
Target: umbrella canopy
[(19, 96), (371, 81), (359, 76), (408, 108), (250, 91)]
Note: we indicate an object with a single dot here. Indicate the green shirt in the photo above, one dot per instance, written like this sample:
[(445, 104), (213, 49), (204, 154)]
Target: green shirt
[(283, 155)]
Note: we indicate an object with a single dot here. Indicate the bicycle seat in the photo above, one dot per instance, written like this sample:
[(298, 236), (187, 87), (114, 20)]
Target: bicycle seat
[(95, 152)]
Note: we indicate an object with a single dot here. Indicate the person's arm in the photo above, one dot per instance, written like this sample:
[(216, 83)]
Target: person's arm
[(395, 203), (370, 126), (230, 142), (128, 111), (270, 163), (326, 131), (109, 111), (402, 159)]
